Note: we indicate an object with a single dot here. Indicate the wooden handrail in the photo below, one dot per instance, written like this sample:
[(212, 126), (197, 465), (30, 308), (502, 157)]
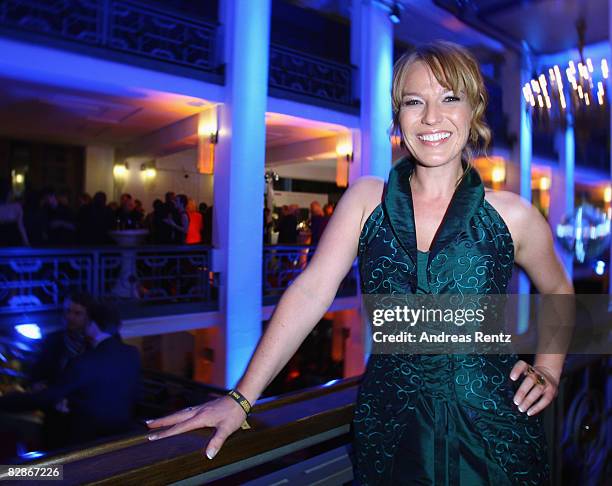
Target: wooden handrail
[(310, 415), (280, 425)]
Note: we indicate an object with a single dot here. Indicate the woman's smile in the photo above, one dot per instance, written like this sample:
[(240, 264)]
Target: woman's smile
[(435, 121), (434, 139)]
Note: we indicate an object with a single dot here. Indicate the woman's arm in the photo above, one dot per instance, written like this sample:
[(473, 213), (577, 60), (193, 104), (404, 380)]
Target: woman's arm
[(312, 292), (301, 306), (535, 253), (21, 226)]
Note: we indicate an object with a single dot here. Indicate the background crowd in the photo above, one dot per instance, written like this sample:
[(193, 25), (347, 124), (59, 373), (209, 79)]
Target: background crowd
[(47, 218), (286, 227)]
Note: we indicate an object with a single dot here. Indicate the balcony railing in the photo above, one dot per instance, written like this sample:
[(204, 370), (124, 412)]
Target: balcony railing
[(121, 25), (303, 75), (140, 278), (306, 434), (283, 263), (305, 438), (144, 280), (154, 33)]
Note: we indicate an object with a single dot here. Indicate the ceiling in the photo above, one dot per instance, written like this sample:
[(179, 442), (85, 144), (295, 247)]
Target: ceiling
[(79, 117), (284, 129), (547, 26), (489, 26), (60, 114), (422, 21)]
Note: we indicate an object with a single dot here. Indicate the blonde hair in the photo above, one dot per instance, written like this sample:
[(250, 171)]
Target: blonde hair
[(455, 68), (191, 206)]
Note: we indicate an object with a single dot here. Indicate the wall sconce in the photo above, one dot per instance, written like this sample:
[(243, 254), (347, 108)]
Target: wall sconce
[(208, 137), (396, 140), (149, 172), (120, 171), (498, 174), (607, 194), (18, 181), (345, 150), (544, 183), (344, 156)]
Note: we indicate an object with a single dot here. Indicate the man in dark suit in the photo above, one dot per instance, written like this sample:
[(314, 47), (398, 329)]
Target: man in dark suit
[(100, 386), (60, 347)]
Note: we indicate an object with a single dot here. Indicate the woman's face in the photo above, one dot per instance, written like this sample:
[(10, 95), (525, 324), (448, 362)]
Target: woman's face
[(435, 121)]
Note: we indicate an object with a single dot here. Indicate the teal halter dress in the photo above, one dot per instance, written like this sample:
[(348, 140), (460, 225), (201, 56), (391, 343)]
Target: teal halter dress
[(441, 419)]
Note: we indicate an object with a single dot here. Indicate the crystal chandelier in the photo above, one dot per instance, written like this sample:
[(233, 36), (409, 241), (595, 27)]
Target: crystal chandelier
[(576, 89)]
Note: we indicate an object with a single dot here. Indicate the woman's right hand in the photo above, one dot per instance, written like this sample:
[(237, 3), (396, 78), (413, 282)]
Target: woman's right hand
[(224, 414)]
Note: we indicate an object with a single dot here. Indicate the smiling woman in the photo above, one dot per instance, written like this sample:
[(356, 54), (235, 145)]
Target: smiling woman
[(443, 419), (450, 419), (439, 100)]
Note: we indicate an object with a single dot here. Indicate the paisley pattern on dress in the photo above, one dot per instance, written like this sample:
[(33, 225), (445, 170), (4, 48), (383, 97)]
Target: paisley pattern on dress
[(441, 419)]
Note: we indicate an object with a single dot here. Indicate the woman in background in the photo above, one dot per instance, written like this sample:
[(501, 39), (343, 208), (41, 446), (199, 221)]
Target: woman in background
[(194, 230), (12, 229)]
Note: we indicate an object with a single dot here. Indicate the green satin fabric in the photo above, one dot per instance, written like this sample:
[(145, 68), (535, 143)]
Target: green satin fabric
[(422, 283), (441, 419)]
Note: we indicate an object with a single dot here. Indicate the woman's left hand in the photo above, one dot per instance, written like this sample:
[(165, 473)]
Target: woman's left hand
[(538, 389)]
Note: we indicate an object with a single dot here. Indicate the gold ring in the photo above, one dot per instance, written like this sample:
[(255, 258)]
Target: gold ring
[(540, 380)]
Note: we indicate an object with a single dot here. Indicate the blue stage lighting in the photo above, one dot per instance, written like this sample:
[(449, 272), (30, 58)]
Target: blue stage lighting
[(30, 330), (32, 455), (395, 15)]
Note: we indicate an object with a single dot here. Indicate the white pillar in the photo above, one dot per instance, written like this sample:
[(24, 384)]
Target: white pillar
[(609, 87), (239, 183), (562, 187), (99, 161), (525, 142), (372, 53)]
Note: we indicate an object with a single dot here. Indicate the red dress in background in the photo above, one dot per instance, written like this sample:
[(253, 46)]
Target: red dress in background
[(194, 231)]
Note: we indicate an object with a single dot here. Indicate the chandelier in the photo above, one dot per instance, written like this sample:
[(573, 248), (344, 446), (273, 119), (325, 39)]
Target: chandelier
[(575, 90)]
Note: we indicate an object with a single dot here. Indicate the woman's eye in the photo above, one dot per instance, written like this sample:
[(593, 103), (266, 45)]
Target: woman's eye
[(410, 102), (452, 98)]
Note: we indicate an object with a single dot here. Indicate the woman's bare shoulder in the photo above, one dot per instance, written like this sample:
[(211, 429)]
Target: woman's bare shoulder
[(507, 202), (515, 210), (369, 185), (368, 191)]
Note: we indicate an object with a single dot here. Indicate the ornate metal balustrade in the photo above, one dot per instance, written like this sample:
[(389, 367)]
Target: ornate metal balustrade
[(77, 20), (37, 280), (282, 265), (121, 25), (299, 73), (139, 278), (143, 30)]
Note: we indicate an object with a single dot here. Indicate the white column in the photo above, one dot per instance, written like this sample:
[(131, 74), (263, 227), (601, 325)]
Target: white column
[(609, 87), (239, 184), (562, 188), (372, 53), (99, 161), (525, 142)]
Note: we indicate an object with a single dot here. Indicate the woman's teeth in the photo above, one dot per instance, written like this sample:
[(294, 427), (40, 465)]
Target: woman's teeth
[(434, 137)]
